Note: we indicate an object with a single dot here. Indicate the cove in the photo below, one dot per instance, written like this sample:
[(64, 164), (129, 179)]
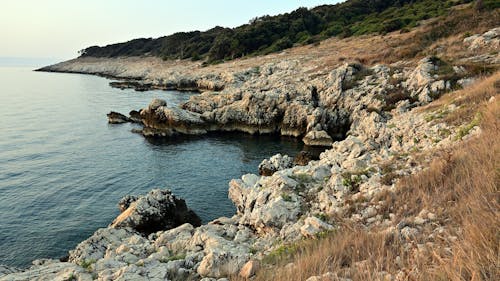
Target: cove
[(63, 169)]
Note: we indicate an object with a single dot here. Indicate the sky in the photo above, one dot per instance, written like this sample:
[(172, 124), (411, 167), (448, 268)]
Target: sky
[(57, 29)]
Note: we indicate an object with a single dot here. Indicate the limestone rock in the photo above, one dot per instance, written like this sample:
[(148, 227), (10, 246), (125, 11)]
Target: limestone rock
[(117, 118), (96, 247), (57, 271), (276, 163), (249, 269), (317, 138), (489, 39), (303, 158), (219, 264), (313, 226), (422, 75), (156, 103), (158, 210)]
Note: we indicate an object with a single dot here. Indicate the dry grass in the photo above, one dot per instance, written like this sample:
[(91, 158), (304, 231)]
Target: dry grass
[(467, 100), (442, 37), (460, 187)]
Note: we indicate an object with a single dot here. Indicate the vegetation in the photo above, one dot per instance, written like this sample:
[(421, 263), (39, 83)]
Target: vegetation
[(269, 34), (460, 188), (87, 264)]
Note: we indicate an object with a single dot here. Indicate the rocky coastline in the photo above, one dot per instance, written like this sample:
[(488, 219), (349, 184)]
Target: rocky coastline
[(369, 118)]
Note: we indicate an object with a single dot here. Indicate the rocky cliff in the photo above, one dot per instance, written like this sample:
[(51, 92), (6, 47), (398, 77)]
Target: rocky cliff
[(369, 117)]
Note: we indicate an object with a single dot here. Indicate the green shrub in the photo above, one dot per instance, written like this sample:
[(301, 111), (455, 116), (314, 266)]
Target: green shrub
[(274, 33)]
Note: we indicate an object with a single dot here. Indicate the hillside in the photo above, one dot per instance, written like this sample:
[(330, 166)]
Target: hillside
[(269, 34), (406, 187)]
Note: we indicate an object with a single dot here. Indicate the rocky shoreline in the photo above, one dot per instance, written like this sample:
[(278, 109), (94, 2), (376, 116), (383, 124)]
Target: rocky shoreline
[(369, 117)]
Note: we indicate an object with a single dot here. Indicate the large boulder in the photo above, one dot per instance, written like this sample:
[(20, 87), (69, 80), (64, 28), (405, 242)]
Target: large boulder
[(318, 138), (158, 210), (276, 163)]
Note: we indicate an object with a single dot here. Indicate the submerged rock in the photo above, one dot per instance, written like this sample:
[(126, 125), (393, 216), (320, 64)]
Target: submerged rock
[(158, 210), (117, 118)]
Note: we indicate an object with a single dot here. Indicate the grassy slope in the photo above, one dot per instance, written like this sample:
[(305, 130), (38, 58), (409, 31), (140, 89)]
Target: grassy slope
[(460, 186), (270, 34)]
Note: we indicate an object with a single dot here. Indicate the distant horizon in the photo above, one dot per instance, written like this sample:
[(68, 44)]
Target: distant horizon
[(28, 61), (63, 28)]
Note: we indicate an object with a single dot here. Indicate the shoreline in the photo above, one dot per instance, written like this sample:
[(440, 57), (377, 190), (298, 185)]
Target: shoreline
[(381, 104)]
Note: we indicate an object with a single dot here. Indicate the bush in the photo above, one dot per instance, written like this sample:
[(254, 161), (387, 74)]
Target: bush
[(275, 33)]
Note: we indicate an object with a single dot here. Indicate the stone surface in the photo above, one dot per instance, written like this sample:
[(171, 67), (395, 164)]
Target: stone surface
[(303, 158), (158, 210), (346, 107), (318, 138), (249, 269), (117, 118), (276, 163)]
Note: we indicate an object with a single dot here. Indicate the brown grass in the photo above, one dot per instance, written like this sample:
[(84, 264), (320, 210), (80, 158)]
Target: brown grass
[(468, 100), (460, 187)]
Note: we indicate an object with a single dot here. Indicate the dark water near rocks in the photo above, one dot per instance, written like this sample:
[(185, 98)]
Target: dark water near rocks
[(63, 168)]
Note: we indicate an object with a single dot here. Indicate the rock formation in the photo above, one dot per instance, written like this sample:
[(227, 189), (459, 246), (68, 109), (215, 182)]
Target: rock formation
[(158, 210), (367, 116)]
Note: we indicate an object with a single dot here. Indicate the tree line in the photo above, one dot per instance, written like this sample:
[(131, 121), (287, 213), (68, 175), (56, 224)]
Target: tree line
[(268, 34)]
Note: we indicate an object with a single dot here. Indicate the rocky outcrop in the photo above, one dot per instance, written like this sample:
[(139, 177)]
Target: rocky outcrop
[(156, 238), (276, 163), (366, 116), (158, 210), (303, 158), (320, 112), (49, 270), (318, 138), (117, 118), (489, 39)]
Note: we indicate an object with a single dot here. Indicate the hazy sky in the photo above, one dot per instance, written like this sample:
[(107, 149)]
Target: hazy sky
[(59, 28)]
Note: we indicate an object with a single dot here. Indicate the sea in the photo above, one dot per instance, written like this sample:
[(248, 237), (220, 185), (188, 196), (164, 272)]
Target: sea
[(63, 168)]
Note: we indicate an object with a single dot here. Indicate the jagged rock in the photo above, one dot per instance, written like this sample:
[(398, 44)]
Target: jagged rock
[(96, 247), (163, 121), (125, 202), (135, 116), (220, 264), (489, 39), (317, 138), (158, 210), (276, 163), (422, 75), (269, 204), (117, 118), (156, 103), (50, 272), (303, 158), (312, 226)]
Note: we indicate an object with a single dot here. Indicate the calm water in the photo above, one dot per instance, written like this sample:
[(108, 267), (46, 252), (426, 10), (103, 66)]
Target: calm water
[(63, 168)]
